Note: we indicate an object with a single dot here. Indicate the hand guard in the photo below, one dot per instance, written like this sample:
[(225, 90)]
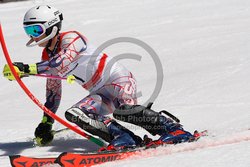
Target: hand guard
[(22, 70), (44, 134)]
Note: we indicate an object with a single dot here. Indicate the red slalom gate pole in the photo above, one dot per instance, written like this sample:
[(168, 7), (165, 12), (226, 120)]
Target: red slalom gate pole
[(37, 102)]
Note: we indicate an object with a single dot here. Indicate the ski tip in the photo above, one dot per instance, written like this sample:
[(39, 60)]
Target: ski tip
[(198, 134)]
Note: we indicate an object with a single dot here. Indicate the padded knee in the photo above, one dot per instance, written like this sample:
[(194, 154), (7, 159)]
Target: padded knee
[(95, 127)]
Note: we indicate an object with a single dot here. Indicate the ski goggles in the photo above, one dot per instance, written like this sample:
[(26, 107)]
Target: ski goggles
[(35, 30)]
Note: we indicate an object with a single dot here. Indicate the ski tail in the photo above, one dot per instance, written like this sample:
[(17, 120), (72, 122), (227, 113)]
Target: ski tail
[(22, 161)]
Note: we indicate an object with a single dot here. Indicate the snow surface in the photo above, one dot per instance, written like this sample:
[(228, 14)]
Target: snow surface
[(203, 46)]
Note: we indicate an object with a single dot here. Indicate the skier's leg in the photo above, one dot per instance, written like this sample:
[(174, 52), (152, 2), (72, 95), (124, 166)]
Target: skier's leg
[(89, 114), (155, 123), (85, 114), (120, 89)]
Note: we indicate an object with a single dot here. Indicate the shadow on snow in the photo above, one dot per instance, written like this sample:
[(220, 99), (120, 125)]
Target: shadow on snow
[(58, 145)]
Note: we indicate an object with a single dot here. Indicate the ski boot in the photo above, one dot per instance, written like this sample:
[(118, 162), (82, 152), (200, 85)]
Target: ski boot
[(169, 128), (123, 138)]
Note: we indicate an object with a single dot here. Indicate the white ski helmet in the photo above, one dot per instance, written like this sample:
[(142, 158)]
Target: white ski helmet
[(43, 19)]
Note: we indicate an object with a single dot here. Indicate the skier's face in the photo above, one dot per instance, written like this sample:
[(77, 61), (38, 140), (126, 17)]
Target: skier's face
[(40, 38)]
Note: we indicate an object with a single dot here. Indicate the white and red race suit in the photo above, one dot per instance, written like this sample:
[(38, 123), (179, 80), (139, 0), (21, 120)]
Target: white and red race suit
[(109, 85)]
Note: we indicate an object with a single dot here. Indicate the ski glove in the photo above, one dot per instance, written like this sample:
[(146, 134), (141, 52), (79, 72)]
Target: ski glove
[(44, 134), (22, 70)]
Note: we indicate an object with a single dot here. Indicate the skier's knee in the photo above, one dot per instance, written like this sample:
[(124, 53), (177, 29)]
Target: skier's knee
[(81, 119), (74, 114)]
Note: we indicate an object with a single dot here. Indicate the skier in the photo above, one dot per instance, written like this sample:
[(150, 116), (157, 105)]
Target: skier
[(71, 54)]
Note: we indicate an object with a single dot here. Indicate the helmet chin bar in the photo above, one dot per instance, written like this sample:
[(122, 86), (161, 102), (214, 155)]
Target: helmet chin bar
[(50, 36)]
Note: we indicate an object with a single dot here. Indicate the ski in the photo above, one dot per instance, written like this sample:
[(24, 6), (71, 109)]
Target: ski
[(75, 159), (71, 159), (23, 161)]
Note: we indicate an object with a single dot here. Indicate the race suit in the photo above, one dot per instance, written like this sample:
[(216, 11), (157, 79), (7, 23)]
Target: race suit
[(109, 85)]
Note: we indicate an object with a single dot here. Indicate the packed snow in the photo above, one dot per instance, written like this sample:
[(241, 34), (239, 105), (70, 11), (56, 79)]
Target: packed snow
[(204, 48)]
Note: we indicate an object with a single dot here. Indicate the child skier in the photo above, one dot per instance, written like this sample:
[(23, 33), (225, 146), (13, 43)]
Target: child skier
[(70, 54)]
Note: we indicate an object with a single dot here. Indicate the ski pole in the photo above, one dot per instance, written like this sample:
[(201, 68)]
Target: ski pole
[(170, 115), (70, 79)]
